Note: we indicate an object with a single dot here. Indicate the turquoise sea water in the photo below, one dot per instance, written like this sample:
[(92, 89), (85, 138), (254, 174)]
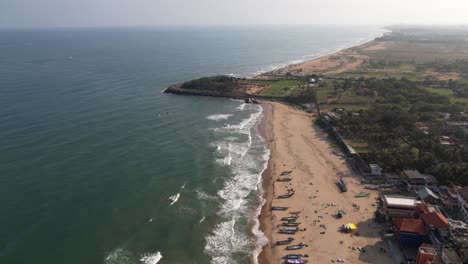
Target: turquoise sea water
[(98, 166)]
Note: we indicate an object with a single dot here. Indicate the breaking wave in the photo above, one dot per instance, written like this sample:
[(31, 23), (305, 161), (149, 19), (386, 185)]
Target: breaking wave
[(151, 258), (245, 153), (219, 117), (174, 198)]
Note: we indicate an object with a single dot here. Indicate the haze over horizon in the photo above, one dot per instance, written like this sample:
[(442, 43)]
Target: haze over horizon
[(104, 13)]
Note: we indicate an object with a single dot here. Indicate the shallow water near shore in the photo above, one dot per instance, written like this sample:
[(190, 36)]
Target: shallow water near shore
[(99, 166)]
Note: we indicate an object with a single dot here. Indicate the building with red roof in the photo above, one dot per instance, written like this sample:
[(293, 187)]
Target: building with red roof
[(410, 232), (435, 219)]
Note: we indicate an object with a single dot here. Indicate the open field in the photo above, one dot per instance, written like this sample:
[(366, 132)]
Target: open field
[(384, 59), (279, 88), (449, 93)]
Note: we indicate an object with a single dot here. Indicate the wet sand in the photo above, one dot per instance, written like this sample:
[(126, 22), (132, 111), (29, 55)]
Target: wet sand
[(297, 145)]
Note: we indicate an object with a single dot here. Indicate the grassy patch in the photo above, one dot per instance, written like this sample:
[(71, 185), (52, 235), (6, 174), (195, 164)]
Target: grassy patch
[(280, 88), (448, 93)]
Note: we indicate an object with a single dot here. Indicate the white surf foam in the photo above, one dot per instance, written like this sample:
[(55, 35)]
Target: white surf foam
[(118, 255), (152, 258), (174, 198), (219, 117), (226, 240), (204, 196), (261, 239), (202, 219), (241, 107)]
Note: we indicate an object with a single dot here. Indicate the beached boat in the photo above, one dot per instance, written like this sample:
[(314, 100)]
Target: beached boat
[(285, 196), (296, 261), (284, 180), (288, 231), (284, 242), (279, 208), (294, 247), (342, 186), (290, 218), (292, 256), (290, 224)]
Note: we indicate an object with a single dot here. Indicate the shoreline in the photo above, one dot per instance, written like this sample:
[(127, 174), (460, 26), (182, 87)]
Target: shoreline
[(316, 58), (266, 180), (295, 144)]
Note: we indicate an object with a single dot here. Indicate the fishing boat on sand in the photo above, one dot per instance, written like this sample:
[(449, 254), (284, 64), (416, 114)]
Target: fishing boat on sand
[(279, 208), (294, 247), (284, 242), (285, 196), (288, 231), (341, 184), (296, 261), (290, 218), (284, 180), (294, 256), (292, 224)]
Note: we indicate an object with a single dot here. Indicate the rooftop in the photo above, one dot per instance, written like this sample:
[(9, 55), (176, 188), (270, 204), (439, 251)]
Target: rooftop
[(426, 192), (408, 225), (435, 219), (413, 174), (400, 201)]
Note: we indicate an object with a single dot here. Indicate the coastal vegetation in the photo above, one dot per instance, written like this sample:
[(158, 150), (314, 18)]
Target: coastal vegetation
[(380, 90), (223, 83)]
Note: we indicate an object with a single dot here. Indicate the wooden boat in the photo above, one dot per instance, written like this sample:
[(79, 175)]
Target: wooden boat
[(342, 186), (291, 224), (285, 173), (290, 218), (279, 208), (285, 196), (284, 242), (294, 247), (284, 180), (288, 231), (292, 256), (296, 261)]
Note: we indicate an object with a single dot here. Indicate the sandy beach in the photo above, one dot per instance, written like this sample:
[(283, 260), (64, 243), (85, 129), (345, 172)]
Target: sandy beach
[(297, 145)]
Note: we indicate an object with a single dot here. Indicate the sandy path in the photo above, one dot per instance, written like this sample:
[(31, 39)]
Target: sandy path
[(298, 146)]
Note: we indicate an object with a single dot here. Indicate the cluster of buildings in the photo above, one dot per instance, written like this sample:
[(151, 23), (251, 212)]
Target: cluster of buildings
[(428, 220)]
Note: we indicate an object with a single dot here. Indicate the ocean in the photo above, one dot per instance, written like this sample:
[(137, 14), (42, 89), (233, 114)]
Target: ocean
[(97, 165)]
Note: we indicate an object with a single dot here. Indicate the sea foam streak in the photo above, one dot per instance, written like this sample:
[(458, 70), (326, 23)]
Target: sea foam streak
[(174, 198), (219, 117), (242, 146), (151, 258)]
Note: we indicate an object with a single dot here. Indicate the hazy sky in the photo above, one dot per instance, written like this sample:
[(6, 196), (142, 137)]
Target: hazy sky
[(71, 13)]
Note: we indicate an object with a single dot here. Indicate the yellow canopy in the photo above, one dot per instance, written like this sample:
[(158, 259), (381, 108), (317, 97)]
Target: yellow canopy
[(352, 226)]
